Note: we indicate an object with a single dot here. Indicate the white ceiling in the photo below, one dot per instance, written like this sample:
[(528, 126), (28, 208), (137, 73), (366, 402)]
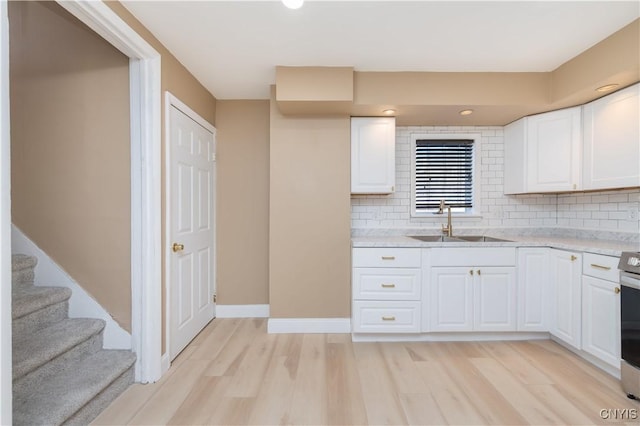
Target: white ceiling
[(232, 47)]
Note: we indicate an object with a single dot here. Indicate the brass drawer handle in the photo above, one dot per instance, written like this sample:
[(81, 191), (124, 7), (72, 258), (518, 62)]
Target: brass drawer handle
[(391, 318), (616, 290), (605, 268), (388, 258), (388, 285)]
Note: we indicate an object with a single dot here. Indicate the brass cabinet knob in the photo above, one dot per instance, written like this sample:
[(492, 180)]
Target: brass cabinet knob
[(177, 247), (573, 258), (616, 290), (470, 271)]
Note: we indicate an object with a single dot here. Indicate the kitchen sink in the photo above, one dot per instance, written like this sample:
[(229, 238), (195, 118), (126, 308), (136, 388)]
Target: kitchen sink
[(481, 239), (458, 239), (436, 238), (429, 238)]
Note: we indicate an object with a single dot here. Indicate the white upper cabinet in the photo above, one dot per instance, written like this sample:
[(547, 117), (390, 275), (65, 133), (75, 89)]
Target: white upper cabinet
[(543, 153), (373, 155), (612, 140), (553, 150)]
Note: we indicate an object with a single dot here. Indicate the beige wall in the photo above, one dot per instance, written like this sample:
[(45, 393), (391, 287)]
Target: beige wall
[(309, 227), (242, 202), (616, 59), (70, 149), (175, 77), (112, 291)]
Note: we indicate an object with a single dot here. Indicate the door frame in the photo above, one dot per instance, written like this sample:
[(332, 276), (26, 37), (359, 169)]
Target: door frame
[(169, 101), (146, 124), (5, 224)]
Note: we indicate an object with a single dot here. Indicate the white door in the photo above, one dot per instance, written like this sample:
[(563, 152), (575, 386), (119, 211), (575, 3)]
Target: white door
[(494, 294), (451, 299), (191, 236)]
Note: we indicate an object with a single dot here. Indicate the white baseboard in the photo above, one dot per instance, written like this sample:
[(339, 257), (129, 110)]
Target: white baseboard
[(448, 337), (165, 363), (309, 325), (81, 305), (242, 311)]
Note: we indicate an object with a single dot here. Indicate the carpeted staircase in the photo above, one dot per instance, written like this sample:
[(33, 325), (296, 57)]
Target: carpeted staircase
[(61, 374)]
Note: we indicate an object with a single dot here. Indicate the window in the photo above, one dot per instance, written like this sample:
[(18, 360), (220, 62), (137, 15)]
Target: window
[(443, 170)]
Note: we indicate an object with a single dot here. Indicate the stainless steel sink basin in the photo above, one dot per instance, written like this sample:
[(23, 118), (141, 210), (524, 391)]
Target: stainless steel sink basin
[(458, 239), (429, 238), (481, 239), (436, 238)]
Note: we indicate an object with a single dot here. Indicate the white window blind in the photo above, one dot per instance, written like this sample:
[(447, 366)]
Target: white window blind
[(444, 171)]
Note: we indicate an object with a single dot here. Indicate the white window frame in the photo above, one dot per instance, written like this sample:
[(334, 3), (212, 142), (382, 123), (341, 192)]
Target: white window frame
[(476, 182)]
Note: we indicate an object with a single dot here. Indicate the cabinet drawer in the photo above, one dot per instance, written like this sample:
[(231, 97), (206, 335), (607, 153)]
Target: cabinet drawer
[(474, 256), (392, 257), (600, 266), (386, 317), (386, 283)]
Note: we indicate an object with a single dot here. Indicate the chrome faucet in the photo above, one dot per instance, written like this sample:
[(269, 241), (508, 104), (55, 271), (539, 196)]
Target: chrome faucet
[(448, 230)]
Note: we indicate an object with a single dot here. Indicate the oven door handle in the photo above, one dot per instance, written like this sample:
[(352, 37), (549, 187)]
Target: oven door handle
[(629, 281)]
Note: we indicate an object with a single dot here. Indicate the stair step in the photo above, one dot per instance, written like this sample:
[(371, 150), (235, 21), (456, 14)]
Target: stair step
[(54, 347), (36, 307), (22, 270), (76, 394), (22, 261), (32, 299)]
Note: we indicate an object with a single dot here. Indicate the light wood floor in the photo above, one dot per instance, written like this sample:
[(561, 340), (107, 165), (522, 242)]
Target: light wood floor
[(236, 373)]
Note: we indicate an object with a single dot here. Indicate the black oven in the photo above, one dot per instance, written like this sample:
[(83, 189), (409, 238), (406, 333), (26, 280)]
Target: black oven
[(630, 323), (630, 319)]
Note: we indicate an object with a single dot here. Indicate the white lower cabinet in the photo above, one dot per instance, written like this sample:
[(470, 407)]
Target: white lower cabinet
[(473, 299), (386, 290), (494, 299), (601, 308), (533, 280), (565, 269), (450, 299), (373, 316)]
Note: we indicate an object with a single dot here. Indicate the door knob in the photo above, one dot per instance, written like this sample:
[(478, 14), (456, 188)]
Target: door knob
[(177, 247)]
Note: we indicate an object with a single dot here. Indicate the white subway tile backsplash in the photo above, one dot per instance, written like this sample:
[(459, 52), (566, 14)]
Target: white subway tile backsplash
[(605, 210)]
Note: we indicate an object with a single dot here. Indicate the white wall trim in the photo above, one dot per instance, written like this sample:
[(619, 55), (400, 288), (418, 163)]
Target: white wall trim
[(172, 101), (146, 232), (81, 304), (165, 362), (242, 311), (474, 336), (309, 325), (5, 224)]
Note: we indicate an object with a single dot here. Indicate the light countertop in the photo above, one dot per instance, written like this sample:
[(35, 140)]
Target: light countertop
[(589, 245)]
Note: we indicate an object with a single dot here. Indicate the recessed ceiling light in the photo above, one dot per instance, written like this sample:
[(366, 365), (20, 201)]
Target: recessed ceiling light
[(293, 4), (607, 87), (466, 112), (389, 111)]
